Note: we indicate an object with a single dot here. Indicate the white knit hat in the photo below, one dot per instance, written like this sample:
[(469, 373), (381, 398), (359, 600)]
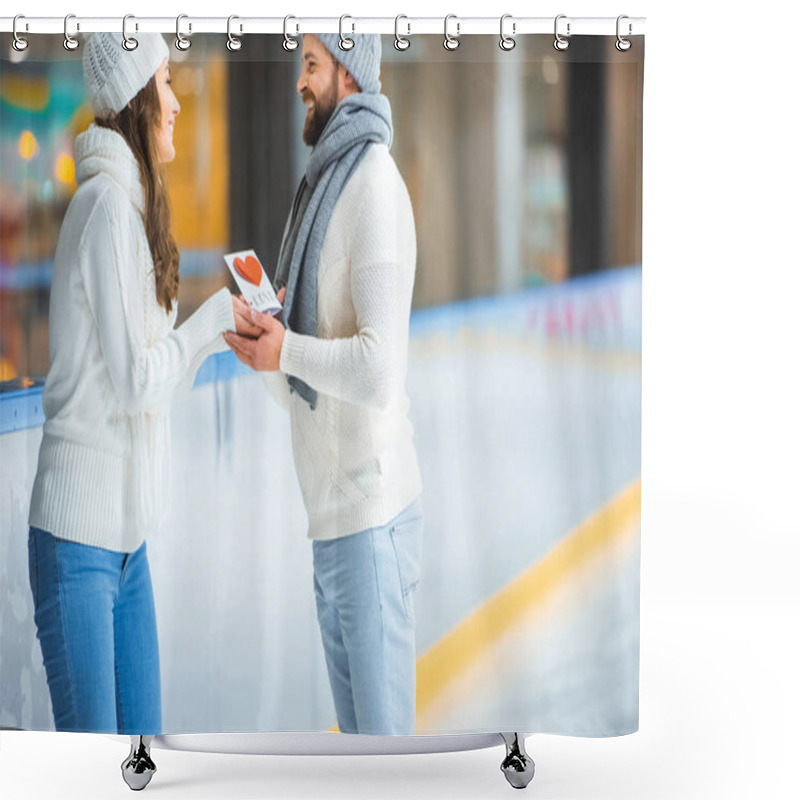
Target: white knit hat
[(362, 61), (113, 75)]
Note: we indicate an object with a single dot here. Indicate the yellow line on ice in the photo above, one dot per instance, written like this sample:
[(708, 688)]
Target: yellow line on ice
[(460, 648)]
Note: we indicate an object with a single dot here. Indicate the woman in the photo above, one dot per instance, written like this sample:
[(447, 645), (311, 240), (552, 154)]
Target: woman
[(116, 361)]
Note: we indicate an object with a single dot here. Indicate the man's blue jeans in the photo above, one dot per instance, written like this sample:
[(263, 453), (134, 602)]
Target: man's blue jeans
[(96, 623), (364, 586)]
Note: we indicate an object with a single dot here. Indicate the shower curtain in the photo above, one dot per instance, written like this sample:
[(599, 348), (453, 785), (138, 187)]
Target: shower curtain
[(522, 380)]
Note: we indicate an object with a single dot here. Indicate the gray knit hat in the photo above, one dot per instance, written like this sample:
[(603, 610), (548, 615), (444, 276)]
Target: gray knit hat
[(113, 75), (362, 61)]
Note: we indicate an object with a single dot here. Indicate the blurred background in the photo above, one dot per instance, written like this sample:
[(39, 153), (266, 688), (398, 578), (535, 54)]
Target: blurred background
[(522, 166)]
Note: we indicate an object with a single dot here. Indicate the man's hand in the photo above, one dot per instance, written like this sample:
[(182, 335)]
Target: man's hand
[(264, 353)]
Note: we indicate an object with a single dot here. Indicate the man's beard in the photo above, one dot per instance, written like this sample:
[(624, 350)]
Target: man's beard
[(324, 106)]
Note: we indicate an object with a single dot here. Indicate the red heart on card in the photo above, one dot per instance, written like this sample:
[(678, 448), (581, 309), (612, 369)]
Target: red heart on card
[(249, 269)]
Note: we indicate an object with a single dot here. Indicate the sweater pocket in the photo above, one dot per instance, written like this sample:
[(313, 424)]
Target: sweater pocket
[(356, 486), (359, 485)]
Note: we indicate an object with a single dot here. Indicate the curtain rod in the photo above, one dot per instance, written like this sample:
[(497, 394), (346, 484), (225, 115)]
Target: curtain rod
[(407, 26)]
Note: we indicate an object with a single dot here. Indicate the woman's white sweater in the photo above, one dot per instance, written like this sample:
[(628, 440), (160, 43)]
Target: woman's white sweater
[(116, 362)]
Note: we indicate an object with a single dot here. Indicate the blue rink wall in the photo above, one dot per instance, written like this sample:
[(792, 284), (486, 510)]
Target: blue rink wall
[(527, 416)]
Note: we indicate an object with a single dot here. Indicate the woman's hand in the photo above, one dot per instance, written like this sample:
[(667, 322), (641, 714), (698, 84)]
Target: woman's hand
[(241, 313)]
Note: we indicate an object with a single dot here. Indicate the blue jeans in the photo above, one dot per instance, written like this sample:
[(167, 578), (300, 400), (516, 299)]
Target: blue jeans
[(364, 586), (95, 621)]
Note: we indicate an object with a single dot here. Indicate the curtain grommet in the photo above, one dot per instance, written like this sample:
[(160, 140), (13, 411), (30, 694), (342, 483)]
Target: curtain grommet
[(128, 42), (622, 44), (451, 42), (19, 43), (290, 43), (561, 42), (70, 42), (401, 43), (507, 42), (345, 42), (234, 43), (181, 42)]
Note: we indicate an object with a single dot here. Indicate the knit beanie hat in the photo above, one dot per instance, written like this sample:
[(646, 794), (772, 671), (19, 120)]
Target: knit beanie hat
[(113, 75), (362, 61)]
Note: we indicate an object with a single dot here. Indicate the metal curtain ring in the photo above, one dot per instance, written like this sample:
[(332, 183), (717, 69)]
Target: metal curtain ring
[(400, 42), (128, 42), (623, 45), (507, 42), (561, 42), (234, 43), (70, 43), (19, 43), (345, 42), (181, 42), (289, 42), (451, 42)]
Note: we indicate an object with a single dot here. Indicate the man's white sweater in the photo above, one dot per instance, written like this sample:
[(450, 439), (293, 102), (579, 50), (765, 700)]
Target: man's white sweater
[(116, 361), (354, 454)]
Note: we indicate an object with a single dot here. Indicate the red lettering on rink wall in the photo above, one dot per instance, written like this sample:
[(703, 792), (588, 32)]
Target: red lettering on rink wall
[(581, 317)]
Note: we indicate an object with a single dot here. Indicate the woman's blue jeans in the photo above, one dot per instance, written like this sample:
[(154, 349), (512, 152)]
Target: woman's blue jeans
[(364, 585), (96, 623)]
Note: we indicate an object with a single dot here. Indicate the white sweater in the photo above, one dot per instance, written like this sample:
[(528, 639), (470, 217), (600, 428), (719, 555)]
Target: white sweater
[(354, 454), (116, 361)]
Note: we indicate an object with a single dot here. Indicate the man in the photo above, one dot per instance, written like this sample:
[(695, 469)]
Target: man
[(338, 360)]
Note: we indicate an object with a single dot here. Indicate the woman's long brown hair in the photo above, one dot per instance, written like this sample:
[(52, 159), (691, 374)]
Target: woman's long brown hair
[(137, 123)]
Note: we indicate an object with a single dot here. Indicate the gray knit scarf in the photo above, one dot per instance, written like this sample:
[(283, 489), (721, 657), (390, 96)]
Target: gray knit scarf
[(358, 120)]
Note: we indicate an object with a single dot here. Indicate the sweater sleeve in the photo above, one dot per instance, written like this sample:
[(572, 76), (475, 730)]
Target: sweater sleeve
[(143, 377), (365, 368), (218, 345)]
